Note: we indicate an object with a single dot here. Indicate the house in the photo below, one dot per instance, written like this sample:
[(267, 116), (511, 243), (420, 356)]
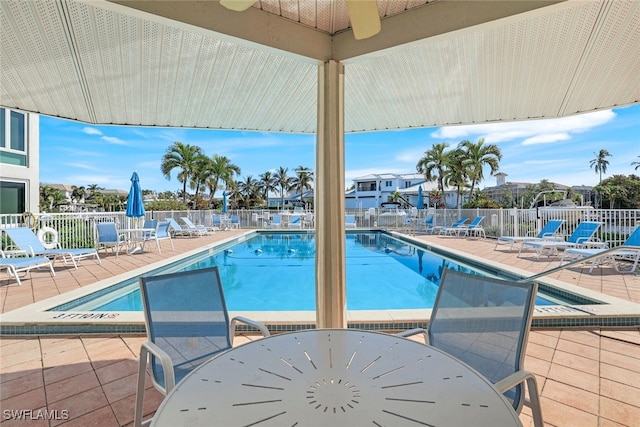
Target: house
[(371, 191), (19, 162)]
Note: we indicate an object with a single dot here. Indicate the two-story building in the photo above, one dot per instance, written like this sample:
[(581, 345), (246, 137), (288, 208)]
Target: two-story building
[(19, 162)]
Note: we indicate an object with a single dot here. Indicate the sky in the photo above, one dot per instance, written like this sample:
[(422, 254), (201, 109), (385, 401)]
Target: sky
[(559, 150)]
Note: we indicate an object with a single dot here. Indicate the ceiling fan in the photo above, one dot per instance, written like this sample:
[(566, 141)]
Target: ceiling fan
[(363, 15)]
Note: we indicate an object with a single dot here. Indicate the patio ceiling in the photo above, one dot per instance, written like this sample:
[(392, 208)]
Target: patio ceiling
[(435, 63)]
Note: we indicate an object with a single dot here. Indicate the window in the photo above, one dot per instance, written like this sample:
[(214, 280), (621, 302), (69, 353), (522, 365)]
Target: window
[(13, 137), (388, 183), (13, 196)]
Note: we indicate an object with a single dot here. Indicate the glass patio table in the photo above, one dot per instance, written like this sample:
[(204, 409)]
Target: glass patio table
[(334, 377)]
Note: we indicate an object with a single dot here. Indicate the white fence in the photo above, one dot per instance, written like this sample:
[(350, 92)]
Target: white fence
[(78, 229)]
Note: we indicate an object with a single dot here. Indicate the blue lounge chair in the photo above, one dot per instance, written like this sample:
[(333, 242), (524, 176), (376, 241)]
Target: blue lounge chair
[(14, 266), (548, 232), (295, 222), (457, 224), (198, 229), (463, 229), (178, 230), (25, 240), (581, 235), (485, 323), (187, 323), (615, 258), (276, 221), (350, 221), (429, 226)]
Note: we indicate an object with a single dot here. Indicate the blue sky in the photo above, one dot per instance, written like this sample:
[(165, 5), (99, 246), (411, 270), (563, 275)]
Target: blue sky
[(559, 150)]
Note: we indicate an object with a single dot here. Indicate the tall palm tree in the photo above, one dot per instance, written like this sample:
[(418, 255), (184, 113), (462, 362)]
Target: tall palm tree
[(637, 164), (222, 172), (78, 193), (184, 157), (476, 157), (282, 181), (302, 180), (249, 190), (434, 164), (201, 171), (600, 162), (267, 184), (455, 174)]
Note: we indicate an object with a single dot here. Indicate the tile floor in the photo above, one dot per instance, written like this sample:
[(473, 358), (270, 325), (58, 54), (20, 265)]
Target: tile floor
[(586, 377)]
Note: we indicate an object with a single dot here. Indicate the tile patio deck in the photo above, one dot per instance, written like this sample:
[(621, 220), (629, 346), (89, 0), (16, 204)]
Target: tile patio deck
[(586, 377)]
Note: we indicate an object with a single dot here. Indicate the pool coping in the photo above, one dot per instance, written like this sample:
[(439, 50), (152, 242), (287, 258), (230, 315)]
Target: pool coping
[(34, 319)]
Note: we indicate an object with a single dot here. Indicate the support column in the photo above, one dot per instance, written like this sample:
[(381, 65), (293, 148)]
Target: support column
[(331, 298)]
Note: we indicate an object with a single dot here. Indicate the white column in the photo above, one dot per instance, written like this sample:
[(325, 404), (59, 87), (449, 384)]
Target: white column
[(331, 307)]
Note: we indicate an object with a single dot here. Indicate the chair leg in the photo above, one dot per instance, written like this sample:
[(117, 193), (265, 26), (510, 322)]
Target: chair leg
[(142, 371), (534, 402)]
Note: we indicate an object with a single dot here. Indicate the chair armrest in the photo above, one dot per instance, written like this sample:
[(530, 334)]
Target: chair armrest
[(232, 326), (533, 401), (165, 360), (412, 332)]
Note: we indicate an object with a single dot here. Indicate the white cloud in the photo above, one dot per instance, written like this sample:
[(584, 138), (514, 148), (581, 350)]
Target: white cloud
[(533, 132), (113, 140), (91, 131)]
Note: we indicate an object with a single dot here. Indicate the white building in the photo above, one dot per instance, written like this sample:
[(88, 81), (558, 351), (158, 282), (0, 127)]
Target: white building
[(19, 162), (370, 191)]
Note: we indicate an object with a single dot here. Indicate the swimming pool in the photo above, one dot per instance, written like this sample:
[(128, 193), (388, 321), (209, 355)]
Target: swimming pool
[(275, 272)]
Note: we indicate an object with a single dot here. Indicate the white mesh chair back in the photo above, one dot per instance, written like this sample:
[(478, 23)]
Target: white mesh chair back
[(186, 316), (485, 323)]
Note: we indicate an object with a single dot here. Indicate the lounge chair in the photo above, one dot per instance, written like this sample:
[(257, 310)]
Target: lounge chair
[(276, 221), (473, 228), (234, 221), (429, 226), (615, 258), (187, 323), (455, 225), (25, 240), (14, 266), (548, 232), (178, 230), (295, 221), (580, 236), (107, 237), (198, 229), (485, 323), (350, 221)]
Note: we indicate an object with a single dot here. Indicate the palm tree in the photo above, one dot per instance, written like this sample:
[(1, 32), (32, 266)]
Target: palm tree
[(433, 164), (222, 171), (267, 184), (183, 156), (455, 174), (600, 162), (303, 180), (637, 164), (200, 174), (78, 193), (249, 190), (282, 181), (476, 157)]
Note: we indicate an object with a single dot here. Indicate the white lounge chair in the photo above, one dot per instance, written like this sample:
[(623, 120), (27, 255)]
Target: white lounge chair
[(617, 258), (15, 266), (473, 228), (178, 230), (548, 232), (459, 223), (580, 236), (295, 222), (25, 240), (350, 221), (196, 228), (276, 221)]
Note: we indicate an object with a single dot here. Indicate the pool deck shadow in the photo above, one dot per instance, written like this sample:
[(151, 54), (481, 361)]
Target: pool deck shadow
[(586, 377)]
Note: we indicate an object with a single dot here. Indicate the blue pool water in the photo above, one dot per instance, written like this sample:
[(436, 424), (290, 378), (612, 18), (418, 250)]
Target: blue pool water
[(275, 272)]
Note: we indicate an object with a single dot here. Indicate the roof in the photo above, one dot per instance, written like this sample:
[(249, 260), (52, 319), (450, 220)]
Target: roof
[(196, 64)]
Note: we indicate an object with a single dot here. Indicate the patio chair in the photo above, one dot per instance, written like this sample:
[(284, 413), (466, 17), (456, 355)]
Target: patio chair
[(14, 266), (162, 232), (485, 323), (350, 221), (459, 223), (616, 258), (25, 239), (548, 232), (580, 236), (295, 222), (429, 226), (178, 230), (107, 237), (198, 229), (234, 221), (276, 221), (187, 323), (473, 228)]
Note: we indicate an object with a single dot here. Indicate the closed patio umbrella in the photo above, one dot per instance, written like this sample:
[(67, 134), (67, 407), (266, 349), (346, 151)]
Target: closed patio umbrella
[(224, 202), (420, 203), (135, 204)]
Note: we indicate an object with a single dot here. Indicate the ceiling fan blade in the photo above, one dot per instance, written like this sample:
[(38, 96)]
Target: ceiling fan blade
[(364, 18), (237, 5)]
